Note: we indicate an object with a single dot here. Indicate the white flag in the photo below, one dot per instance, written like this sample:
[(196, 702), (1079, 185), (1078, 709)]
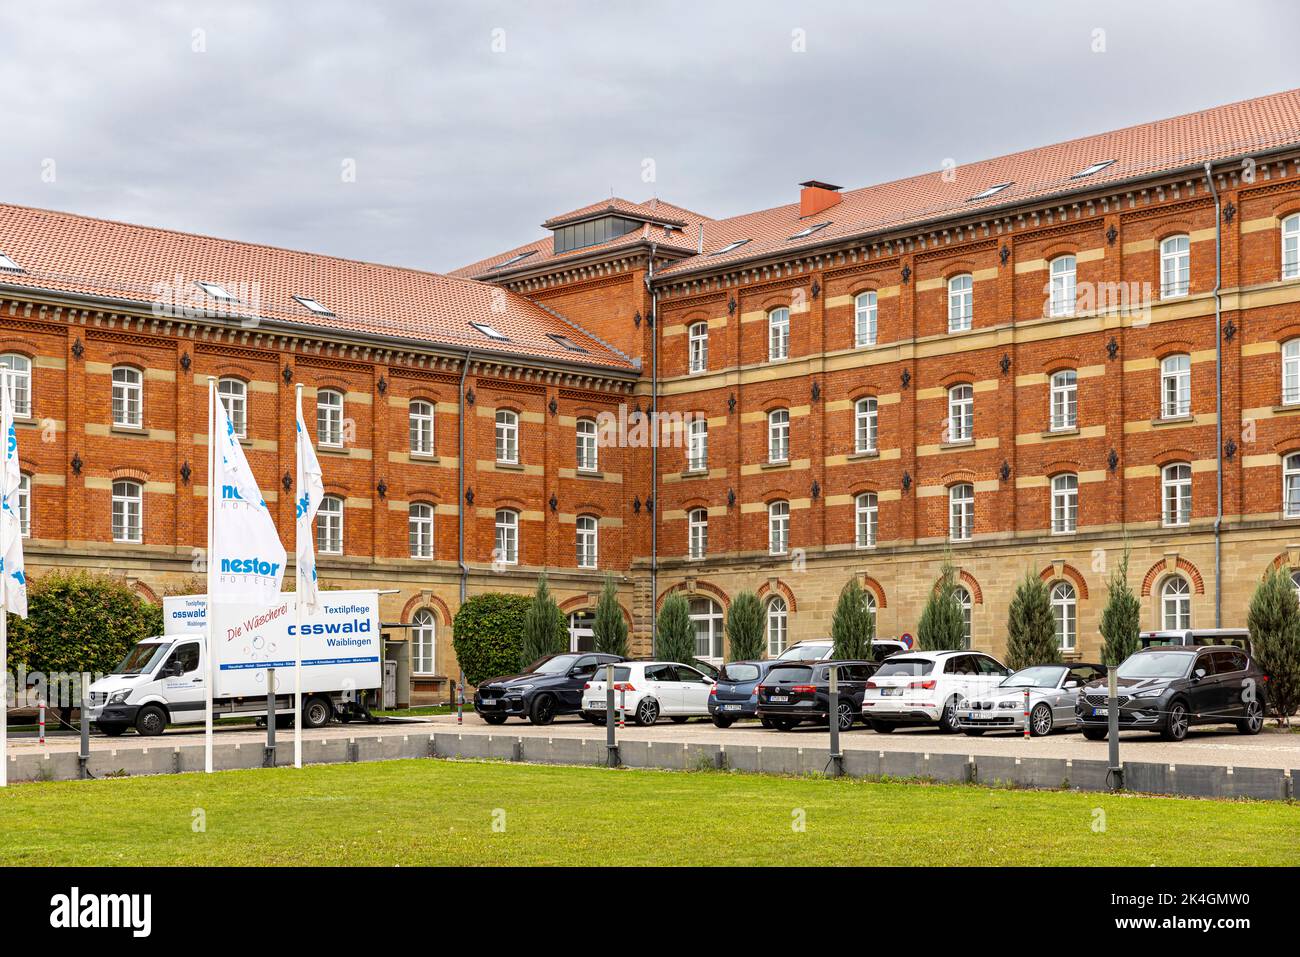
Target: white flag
[(247, 557), (13, 589), (311, 489)]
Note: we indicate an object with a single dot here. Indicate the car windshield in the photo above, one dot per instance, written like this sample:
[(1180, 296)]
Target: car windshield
[(552, 665), (737, 672), (620, 673), (1156, 664), (1042, 676), (905, 666), (142, 658), (805, 651)]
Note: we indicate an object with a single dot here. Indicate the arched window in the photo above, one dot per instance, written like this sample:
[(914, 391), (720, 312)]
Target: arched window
[(962, 597), (20, 382), (1295, 583), (778, 435), (778, 333), (961, 302), (697, 520), (1176, 604), (1176, 489), (1065, 613), (961, 413), (1065, 504), (128, 506), (1063, 288), (961, 512), (871, 610), (1175, 386), (1175, 266), (1291, 485), (1291, 247), (706, 616), (507, 537), (128, 397), (424, 631), (329, 418), (1065, 400), (329, 526), (421, 418), (233, 394), (1291, 372), (507, 436), (698, 346), (778, 528), (865, 425), (697, 446), (866, 515), (587, 541), (864, 319), (25, 504), (419, 523), (777, 626), (588, 460)]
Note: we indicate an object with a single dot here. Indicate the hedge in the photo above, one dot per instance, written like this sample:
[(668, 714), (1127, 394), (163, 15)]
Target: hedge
[(488, 635)]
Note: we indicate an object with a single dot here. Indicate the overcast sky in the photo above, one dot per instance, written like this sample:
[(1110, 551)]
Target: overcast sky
[(434, 134)]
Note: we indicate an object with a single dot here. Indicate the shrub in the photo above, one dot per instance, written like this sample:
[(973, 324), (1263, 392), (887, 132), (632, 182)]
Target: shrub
[(674, 632), (745, 628), (941, 627), (1274, 623), (609, 630), (487, 635), (1031, 629), (1122, 617), (545, 630), (852, 626)]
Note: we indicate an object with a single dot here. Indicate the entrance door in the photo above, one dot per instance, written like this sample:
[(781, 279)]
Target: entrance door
[(581, 637)]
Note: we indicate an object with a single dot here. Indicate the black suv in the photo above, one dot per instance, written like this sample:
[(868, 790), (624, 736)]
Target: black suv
[(549, 686), (795, 691), (1169, 688)]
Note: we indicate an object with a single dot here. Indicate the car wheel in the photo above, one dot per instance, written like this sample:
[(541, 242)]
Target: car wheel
[(680, 718), (784, 724), (1253, 723), (494, 718), (1177, 722), (845, 713), (151, 721), (722, 722), (948, 719), (317, 712), (111, 730), (1094, 734), (973, 732), (1040, 720), (881, 727), (647, 712), (767, 723), (543, 710)]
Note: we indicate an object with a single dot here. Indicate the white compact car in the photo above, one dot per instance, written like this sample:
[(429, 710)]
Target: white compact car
[(926, 687), (648, 689)]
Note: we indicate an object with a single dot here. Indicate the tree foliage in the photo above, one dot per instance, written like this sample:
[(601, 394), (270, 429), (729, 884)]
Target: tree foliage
[(609, 630), (745, 628), (1031, 629), (1121, 619), (674, 631), (852, 624), (941, 627), (1274, 623), (488, 635), (545, 630)]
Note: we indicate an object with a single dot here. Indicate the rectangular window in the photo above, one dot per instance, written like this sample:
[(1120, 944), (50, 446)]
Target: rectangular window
[(778, 334), (421, 427), (420, 529), (961, 413), (507, 437), (1176, 387), (329, 526), (127, 397), (1062, 287), (507, 538), (329, 418), (1065, 400), (697, 452), (699, 533), (127, 508)]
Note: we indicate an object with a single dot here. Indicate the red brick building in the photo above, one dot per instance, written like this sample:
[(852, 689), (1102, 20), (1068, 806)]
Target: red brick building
[(1020, 362)]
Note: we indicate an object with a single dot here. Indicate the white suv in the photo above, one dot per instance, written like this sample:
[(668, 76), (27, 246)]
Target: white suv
[(648, 689), (926, 687)]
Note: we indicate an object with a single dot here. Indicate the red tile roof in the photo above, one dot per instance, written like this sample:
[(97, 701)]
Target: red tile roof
[(61, 252), (1248, 127), (650, 211)]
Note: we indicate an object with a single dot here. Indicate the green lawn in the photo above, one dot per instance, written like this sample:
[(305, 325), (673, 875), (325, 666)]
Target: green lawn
[(442, 812)]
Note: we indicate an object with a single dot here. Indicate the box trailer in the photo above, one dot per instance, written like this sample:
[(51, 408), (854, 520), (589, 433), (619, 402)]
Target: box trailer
[(163, 680)]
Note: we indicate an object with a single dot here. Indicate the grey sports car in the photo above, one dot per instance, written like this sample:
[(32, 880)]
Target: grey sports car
[(1052, 693)]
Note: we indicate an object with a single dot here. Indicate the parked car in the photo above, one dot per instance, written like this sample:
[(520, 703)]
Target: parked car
[(1167, 689), (1053, 691), (1197, 637), (926, 687), (796, 691), (821, 649), (735, 695), (548, 687), (648, 689)]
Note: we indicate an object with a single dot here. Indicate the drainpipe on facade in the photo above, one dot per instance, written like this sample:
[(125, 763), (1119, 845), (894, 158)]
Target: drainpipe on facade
[(460, 511), (1218, 395), (654, 444)]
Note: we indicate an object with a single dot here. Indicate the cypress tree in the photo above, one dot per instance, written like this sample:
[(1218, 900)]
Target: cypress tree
[(1274, 623), (852, 625), (609, 630), (941, 627), (674, 631), (545, 632), (1122, 617), (745, 628), (1031, 629)]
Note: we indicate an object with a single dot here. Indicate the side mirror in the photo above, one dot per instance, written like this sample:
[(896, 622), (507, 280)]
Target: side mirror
[(1071, 683), (1198, 674), (1007, 672)]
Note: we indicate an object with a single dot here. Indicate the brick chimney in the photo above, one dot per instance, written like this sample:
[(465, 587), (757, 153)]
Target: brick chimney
[(816, 196)]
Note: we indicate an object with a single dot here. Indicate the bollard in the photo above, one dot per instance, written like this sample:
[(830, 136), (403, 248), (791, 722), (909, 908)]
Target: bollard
[(611, 741), (83, 756), (41, 720), (1026, 714), (622, 707), (460, 702), (836, 766), (1115, 773), (268, 756)]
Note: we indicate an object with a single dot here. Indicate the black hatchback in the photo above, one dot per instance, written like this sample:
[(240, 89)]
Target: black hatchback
[(548, 687), (1168, 689), (796, 691)]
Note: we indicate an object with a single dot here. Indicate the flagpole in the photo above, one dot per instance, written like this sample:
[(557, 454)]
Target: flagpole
[(207, 652), (4, 632), (297, 590)]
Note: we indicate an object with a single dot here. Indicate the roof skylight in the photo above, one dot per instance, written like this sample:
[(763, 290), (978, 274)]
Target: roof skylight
[(808, 231), (514, 259), (1094, 168), (491, 333), (736, 244), (314, 306), (991, 191), (216, 291), (565, 341), (8, 265)]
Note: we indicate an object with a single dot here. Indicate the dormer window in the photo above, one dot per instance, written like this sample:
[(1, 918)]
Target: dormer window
[(736, 244), (490, 332), (1094, 168), (313, 305), (810, 230), (991, 191), (8, 265), (593, 232), (216, 291)]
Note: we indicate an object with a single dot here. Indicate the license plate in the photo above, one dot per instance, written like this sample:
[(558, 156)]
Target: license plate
[(733, 707), (779, 697), (1099, 712), (886, 692), (596, 704), (971, 716), (488, 702)]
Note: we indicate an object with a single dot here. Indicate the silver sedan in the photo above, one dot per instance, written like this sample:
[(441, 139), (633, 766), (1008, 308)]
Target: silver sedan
[(1052, 689)]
